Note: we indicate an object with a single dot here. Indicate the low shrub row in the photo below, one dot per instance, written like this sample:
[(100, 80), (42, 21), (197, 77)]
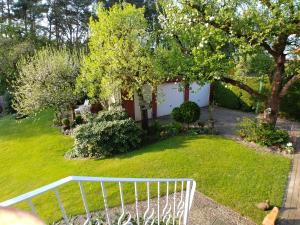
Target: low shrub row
[(262, 133)]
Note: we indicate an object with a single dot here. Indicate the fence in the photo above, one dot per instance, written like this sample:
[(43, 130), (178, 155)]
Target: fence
[(175, 209)]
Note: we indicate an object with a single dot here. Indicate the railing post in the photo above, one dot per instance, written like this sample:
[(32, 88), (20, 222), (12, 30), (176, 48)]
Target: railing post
[(84, 201), (158, 203), (136, 203), (186, 203), (32, 207), (62, 209), (105, 203), (174, 203)]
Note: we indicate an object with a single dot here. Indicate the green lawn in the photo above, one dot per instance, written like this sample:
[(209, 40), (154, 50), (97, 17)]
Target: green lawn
[(233, 175)]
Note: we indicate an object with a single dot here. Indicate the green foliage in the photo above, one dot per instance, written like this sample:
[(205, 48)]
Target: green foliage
[(78, 119), (171, 129), (105, 136), (119, 56), (11, 50), (176, 114), (262, 133), (232, 97), (66, 122), (157, 130), (188, 112), (111, 115), (46, 80), (290, 104), (7, 107)]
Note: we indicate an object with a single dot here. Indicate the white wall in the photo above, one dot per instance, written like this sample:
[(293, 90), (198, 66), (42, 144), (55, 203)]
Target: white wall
[(199, 94), (169, 96)]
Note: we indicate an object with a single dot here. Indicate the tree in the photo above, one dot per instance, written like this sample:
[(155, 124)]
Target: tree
[(213, 35), (30, 15), (120, 59), (68, 21), (46, 80), (11, 50)]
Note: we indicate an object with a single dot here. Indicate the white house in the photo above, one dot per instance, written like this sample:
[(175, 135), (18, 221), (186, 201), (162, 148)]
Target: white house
[(168, 96)]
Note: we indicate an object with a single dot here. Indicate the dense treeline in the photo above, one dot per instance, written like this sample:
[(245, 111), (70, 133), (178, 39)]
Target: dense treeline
[(27, 25)]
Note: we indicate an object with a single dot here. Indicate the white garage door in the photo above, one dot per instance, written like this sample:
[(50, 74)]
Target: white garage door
[(169, 96), (199, 94)]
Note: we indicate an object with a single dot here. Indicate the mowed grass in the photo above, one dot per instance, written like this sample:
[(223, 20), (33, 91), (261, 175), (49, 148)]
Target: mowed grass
[(31, 155)]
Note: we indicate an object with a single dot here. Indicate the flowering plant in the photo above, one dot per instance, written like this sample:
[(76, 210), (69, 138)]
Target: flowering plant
[(289, 148)]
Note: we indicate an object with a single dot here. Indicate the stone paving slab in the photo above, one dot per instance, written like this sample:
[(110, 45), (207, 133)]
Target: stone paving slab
[(290, 212)]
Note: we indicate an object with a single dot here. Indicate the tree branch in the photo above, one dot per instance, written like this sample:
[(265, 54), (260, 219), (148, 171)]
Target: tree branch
[(183, 49), (244, 87), (288, 85), (267, 3)]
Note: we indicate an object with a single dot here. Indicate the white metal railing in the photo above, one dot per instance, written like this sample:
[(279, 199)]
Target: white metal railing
[(174, 210)]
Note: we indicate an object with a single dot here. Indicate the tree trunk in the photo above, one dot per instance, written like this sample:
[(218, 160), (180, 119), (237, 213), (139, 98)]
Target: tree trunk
[(144, 110), (72, 112), (273, 102)]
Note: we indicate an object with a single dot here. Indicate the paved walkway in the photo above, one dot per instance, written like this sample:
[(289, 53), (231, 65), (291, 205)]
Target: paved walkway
[(290, 213)]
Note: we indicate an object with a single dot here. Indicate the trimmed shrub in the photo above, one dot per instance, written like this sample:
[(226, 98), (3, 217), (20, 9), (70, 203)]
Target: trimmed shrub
[(232, 97), (290, 104), (262, 133), (106, 136), (78, 119), (176, 114), (188, 112), (66, 122), (170, 130)]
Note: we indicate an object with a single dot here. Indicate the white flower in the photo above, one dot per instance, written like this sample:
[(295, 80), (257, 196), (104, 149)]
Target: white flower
[(268, 110), (211, 18), (290, 144)]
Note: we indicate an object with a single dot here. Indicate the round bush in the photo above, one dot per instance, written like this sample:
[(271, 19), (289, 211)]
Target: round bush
[(78, 119), (66, 122), (188, 112), (106, 138), (176, 115)]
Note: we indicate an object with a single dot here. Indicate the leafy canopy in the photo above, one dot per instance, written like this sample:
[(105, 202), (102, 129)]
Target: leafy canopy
[(216, 34), (120, 55)]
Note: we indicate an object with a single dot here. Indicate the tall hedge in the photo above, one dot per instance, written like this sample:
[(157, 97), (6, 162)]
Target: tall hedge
[(290, 104), (232, 97)]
